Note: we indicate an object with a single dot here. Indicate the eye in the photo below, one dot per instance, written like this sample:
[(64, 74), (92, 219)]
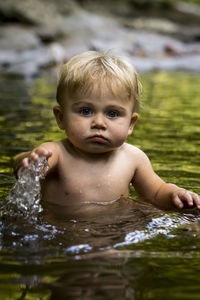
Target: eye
[(85, 111), (112, 114)]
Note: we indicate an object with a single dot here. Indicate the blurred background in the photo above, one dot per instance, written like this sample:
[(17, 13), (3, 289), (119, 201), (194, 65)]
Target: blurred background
[(63, 259), (154, 34)]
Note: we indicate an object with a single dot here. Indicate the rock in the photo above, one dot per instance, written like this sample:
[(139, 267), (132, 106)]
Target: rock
[(134, 42), (57, 53), (7, 57), (36, 12), (29, 63), (145, 64), (18, 38), (45, 33), (96, 32), (154, 25), (163, 26), (46, 15), (188, 8), (156, 43)]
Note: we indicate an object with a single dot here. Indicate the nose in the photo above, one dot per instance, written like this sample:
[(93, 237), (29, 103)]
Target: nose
[(98, 121)]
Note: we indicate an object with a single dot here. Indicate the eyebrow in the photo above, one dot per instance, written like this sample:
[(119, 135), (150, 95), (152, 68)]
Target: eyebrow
[(77, 103), (116, 107), (85, 103)]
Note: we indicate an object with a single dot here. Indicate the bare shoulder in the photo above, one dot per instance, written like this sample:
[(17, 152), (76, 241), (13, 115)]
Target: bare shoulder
[(133, 151), (135, 155), (50, 145), (57, 146)]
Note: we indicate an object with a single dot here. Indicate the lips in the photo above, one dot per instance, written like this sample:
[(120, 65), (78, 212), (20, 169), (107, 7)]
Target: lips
[(98, 139)]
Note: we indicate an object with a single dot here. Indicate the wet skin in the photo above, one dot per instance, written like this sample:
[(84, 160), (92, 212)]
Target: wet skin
[(94, 164)]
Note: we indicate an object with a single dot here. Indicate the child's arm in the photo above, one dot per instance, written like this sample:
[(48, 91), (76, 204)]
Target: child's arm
[(163, 195), (49, 150)]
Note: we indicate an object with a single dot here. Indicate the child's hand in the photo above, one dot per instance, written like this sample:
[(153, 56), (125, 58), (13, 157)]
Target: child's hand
[(24, 159), (35, 154), (183, 198)]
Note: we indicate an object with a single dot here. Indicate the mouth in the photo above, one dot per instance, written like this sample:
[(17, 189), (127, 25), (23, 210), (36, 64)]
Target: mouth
[(98, 139)]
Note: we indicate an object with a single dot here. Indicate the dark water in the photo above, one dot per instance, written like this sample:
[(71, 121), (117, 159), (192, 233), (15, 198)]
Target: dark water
[(127, 250)]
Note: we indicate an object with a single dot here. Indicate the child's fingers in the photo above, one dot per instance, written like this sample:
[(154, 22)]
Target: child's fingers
[(34, 156), (192, 199), (183, 196), (47, 153), (196, 200), (187, 197), (25, 162), (19, 166), (41, 152), (21, 163), (31, 157), (18, 171), (178, 203)]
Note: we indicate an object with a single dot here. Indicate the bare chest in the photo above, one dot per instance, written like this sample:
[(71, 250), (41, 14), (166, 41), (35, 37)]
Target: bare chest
[(89, 182), (96, 182)]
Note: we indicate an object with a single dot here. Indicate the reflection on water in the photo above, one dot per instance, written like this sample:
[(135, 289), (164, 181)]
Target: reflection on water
[(127, 251)]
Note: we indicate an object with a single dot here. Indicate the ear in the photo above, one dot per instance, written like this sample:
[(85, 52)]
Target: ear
[(132, 123), (58, 113)]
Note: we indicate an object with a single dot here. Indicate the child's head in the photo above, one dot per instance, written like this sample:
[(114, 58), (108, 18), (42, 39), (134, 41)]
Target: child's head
[(98, 96), (92, 69)]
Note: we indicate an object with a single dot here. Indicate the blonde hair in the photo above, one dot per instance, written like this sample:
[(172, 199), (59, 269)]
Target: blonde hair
[(86, 70)]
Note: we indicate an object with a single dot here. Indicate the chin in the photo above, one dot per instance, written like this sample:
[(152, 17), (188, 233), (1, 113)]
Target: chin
[(96, 149)]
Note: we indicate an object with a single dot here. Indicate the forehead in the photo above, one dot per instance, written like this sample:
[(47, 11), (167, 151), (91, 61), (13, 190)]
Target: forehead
[(102, 89), (101, 97)]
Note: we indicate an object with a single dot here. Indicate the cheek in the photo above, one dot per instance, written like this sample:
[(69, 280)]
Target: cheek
[(76, 127), (119, 131), (121, 127)]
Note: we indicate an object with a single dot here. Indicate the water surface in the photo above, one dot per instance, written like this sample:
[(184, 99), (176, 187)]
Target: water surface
[(117, 252)]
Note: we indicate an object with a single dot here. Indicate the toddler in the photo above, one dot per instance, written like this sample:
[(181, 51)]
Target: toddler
[(98, 101)]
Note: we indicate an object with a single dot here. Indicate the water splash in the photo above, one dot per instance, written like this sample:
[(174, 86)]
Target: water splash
[(23, 200), (76, 249), (163, 225)]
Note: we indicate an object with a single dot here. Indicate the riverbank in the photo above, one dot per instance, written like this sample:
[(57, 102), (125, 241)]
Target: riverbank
[(38, 35)]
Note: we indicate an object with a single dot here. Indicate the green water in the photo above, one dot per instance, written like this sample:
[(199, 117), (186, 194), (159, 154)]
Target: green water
[(36, 261)]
